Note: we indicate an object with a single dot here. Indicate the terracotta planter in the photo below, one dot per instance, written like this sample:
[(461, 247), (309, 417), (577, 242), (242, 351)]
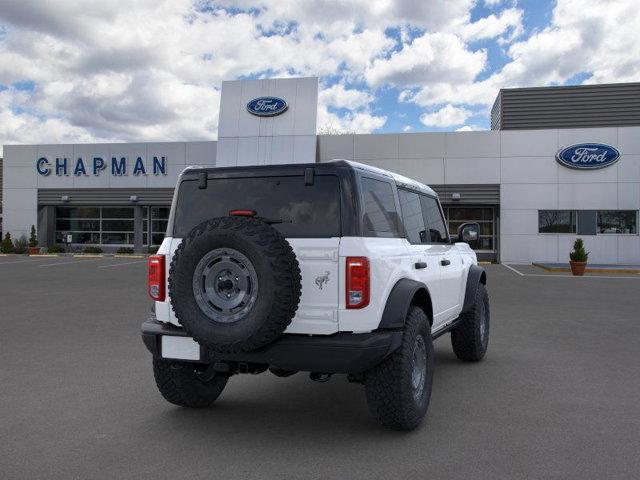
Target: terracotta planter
[(578, 268), (34, 250)]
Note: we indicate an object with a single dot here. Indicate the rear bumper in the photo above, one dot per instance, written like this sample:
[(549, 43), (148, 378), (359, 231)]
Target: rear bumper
[(338, 353)]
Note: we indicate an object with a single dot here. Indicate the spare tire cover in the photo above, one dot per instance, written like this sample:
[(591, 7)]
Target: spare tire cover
[(234, 284)]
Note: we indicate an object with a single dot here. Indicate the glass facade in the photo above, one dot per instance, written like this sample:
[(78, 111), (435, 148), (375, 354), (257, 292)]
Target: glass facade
[(588, 222), (158, 226), (484, 216), (557, 221), (618, 222), (110, 225)]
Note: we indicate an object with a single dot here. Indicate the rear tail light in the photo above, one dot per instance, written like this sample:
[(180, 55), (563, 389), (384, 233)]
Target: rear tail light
[(357, 282), (156, 279), (242, 213)]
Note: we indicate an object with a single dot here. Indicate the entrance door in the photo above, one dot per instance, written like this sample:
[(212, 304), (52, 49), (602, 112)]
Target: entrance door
[(486, 246)]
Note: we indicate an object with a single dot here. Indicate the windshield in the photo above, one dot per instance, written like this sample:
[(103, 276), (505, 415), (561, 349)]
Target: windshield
[(304, 210)]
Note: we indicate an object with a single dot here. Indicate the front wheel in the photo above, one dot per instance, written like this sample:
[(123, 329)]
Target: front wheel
[(180, 384), (399, 389), (470, 338)]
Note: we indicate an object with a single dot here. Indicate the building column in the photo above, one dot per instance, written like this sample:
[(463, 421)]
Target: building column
[(137, 228), (46, 229)]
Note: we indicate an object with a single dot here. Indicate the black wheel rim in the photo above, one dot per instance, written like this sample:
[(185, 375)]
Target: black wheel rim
[(419, 368), (225, 285)]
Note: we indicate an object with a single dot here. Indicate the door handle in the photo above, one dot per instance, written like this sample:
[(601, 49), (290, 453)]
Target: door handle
[(420, 265), (444, 262)]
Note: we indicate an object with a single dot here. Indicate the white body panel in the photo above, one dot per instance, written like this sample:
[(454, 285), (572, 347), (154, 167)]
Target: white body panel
[(318, 308), (322, 264)]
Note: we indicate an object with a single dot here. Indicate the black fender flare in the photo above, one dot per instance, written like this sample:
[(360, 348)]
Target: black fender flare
[(399, 301), (476, 276)]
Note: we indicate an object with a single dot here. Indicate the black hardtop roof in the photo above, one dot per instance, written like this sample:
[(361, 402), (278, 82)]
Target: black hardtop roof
[(285, 169)]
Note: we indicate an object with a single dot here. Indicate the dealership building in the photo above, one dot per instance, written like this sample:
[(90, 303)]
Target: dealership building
[(559, 162)]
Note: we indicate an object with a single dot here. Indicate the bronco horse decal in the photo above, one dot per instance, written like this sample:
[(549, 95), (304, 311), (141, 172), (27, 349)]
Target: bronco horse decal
[(322, 279)]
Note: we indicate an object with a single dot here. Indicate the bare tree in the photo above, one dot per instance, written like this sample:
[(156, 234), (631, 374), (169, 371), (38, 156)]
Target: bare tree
[(333, 129)]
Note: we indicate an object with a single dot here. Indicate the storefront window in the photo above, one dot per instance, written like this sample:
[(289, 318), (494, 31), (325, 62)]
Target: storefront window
[(618, 221), (556, 221), (95, 225), (483, 216), (159, 220)]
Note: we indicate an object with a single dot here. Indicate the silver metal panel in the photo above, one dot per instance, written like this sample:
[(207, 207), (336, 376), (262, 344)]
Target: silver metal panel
[(289, 137), (0, 194), (469, 194), (105, 196), (567, 107)]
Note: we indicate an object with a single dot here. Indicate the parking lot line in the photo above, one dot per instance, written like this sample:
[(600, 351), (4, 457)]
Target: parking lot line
[(565, 276), (70, 263), (31, 259), (513, 269), (121, 264)]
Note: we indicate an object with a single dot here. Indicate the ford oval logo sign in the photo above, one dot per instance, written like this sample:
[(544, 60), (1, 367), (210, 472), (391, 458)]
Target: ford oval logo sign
[(588, 156), (267, 106)]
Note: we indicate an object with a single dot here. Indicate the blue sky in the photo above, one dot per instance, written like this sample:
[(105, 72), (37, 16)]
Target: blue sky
[(77, 71)]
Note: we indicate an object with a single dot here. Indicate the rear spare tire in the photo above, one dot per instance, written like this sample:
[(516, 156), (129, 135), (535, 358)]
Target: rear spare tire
[(234, 284)]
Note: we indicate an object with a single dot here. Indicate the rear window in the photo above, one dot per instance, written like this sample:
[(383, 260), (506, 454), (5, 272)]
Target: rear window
[(305, 210), (380, 215)]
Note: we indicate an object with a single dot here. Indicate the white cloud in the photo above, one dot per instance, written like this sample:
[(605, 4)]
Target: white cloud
[(469, 128), (338, 96), (351, 122), (509, 20), (151, 69), (582, 37), (492, 3), (432, 57), (407, 128), (447, 116)]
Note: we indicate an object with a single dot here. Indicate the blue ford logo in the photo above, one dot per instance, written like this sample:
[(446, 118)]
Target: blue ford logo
[(588, 156), (267, 106)]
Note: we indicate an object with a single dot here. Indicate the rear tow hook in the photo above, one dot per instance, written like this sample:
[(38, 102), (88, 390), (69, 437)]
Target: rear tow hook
[(212, 370), (320, 377)]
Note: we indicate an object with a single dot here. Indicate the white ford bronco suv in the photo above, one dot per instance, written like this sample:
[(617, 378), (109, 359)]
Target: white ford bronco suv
[(325, 268)]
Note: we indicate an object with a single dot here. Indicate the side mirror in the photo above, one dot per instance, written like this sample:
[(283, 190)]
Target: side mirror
[(469, 232)]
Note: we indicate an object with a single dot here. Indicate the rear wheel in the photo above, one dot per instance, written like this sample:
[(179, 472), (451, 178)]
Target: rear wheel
[(399, 389), (180, 384)]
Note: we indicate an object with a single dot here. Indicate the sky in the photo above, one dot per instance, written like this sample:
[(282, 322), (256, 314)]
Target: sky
[(76, 71)]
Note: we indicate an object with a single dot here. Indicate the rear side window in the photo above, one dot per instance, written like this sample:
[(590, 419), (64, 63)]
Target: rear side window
[(412, 216), (304, 210), (380, 214), (437, 232)]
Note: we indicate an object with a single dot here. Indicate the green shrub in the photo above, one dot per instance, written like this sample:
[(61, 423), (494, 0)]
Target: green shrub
[(21, 244), (124, 250), (579, 254), (56, 249), (7, 244), (154, 249), (33, 238), (92, 250)]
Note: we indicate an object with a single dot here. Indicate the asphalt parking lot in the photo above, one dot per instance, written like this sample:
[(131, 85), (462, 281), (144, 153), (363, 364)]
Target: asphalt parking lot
[(558, 395)]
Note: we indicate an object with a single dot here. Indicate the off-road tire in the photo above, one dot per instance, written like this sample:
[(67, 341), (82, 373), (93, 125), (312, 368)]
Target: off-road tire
[(278, 275), (179, 384), (388, 386), (467, 339)]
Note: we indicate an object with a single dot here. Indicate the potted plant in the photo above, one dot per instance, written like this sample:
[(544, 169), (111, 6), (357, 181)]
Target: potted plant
[(7, 244), (578, 258), (21, 245), (33, 242)]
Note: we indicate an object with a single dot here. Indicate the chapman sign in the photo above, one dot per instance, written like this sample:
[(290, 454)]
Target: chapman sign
[(267, 106), (588, 156), (96, 165)]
